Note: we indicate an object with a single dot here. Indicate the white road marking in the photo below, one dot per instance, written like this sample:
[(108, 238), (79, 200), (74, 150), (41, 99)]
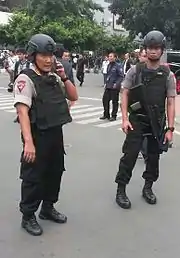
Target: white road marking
[(87, 98), (87, 115), (80, 106), (7, 103), (7, 100), (110, 124), (12, 111), (6, 107), (177, 132), (89, 121), (85, 110)]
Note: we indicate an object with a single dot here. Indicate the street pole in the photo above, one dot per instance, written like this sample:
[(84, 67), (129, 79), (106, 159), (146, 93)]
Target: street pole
[(103, 24), (28, 5)]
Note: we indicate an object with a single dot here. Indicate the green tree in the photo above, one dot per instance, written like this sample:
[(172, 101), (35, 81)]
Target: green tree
[(117, 43), (52, 10), (19, 29), (145, 15), (83, 33), (73, 32)]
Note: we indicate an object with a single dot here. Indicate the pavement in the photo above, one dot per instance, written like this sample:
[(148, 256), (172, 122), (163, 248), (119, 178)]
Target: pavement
[(97, 227), (178, 109)]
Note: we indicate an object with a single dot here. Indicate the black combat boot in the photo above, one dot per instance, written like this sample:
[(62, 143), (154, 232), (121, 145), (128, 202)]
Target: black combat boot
[(48, 212), (148, 194), (112, 119), (121, 198), (31, 225), (104, 117)]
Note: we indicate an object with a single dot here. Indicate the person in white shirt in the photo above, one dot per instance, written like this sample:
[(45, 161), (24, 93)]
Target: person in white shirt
[(104, 68), (10, 61), (127, 63)]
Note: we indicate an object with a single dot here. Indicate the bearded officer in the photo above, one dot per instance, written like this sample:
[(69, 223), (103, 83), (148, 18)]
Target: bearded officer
[(159, 86), (40, 101)]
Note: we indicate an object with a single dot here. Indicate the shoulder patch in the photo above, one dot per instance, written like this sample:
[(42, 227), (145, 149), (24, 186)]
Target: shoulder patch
[(21, 84)]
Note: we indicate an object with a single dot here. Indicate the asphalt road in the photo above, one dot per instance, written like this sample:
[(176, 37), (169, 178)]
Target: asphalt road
[(97, 227)]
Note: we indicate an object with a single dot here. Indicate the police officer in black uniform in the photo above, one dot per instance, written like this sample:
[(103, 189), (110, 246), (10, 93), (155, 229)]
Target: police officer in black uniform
[(146, 85), (40, 100)]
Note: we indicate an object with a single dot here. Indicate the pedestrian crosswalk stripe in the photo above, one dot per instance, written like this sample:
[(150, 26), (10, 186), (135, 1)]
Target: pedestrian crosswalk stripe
[(88, 121), (6, 107), (86, 115), (7, 103), (85, 110), (80, 106), (96, 120), (110, 124), (83, 114), (12, 110), (5, 98)]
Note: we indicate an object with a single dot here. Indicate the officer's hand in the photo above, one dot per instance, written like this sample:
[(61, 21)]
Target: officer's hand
[(60, 70), (29, 152), (168, 137), (126, 125)]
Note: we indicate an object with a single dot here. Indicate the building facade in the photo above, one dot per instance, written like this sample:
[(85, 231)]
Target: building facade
[(108, 20)]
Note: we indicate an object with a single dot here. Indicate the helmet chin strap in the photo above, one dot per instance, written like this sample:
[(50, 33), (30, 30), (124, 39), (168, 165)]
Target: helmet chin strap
[(40, 70)]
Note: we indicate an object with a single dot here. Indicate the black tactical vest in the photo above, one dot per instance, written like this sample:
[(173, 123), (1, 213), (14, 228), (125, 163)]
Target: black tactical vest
[(153, 91), (49, 106)]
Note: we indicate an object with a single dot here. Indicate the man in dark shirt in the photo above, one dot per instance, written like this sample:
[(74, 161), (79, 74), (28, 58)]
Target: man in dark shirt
[(80, 69), (112, 88), (67, 64), (63, 56)]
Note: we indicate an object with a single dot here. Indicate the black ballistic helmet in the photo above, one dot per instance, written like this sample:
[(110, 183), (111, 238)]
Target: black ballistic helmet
[(155, 38), (41, 43)]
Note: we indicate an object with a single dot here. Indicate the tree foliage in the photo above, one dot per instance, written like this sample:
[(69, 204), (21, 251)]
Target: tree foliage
[(69, 22), (54, 9), (145, 15), (72, 31)]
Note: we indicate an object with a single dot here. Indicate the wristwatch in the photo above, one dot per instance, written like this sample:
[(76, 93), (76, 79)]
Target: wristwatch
[(170, 129), (64, 79)]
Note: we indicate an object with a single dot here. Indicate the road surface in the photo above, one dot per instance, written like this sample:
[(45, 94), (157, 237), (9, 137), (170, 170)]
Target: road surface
[(97, 227)]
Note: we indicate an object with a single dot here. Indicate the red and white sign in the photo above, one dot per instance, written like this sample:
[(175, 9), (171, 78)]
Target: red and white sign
[(20, 85)]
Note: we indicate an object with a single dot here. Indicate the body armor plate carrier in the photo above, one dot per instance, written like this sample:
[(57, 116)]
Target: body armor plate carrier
[(155, 83), (49, 106)]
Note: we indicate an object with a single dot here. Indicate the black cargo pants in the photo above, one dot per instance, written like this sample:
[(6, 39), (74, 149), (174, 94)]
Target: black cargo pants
[(80, 76), (131, 148), (110, 94), (41, 180)]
